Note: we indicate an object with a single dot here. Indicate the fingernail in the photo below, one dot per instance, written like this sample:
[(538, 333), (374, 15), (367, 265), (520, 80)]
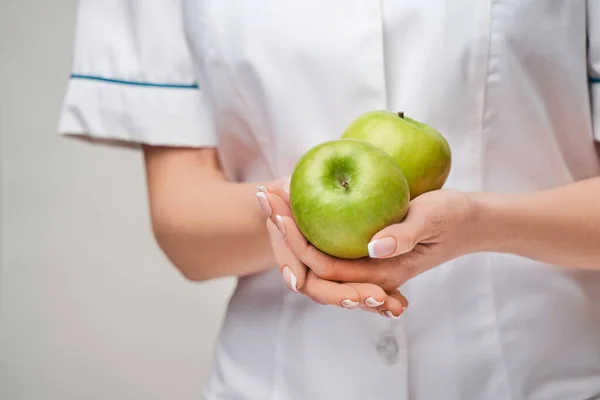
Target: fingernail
[(286, 185), (262, 189), (264, 203), (289, 278), (390, 315), (371, 302), (279, 224), (382, 247), (349, 303)]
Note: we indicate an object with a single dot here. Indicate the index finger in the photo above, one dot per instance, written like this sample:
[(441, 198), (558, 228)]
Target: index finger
[(281, 189)]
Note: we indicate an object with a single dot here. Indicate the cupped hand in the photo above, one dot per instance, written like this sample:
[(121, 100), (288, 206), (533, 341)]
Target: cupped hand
[(274, 199), (440, 226)]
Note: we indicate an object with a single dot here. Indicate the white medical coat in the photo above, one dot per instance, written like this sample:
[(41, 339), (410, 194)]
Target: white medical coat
[(514, 85)]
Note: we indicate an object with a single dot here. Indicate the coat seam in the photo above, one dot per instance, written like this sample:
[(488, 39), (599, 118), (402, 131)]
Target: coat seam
[(278, 345), (490, 263), (497, 327)]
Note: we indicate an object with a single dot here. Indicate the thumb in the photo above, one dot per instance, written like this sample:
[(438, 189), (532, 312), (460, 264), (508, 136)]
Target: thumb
[(398, 238)]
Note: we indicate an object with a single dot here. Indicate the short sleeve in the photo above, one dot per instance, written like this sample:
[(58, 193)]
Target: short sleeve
[(593, 30), (134, 80)]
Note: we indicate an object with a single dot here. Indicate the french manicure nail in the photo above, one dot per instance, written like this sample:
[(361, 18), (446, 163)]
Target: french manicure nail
[(262, 189), (371, 302), (289, 278), (286, 185), (382, 247), (280, 225), (264, 203), (349, 303), (390, 315)]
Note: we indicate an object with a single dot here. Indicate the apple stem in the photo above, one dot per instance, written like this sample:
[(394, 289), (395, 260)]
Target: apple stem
[(401, 114)]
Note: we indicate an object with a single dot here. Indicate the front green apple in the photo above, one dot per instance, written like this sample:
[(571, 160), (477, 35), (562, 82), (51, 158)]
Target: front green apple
[(420, 150), (344, 191)]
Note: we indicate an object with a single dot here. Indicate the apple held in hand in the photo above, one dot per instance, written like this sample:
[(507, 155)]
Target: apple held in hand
[(422, 152), (344, 191)]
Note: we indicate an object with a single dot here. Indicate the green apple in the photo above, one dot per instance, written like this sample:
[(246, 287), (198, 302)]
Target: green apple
[(344, 191), (420, 150)]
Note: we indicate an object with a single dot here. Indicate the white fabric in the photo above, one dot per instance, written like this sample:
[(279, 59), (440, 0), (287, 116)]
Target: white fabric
[(507, 82), (129, 115), (147, 94)]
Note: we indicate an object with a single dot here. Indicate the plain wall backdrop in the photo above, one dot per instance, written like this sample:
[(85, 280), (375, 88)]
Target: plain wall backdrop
[(90, 307)]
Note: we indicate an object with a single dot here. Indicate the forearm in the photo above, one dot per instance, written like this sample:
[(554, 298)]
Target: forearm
[(559, 226), (217, 230), (207, 226)]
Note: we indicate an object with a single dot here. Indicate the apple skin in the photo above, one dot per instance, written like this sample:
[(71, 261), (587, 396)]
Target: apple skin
[(344, 191), (421, 151)]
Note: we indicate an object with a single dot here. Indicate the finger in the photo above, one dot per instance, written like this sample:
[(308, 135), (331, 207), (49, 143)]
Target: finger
[(370, 295), (278, 205), (399, 238), (394, 306), (368, 309), (374, 299), (400, 297), (273, 206), (280, 188), (279, 209), (292, 269), (330, 293), (330, 268)]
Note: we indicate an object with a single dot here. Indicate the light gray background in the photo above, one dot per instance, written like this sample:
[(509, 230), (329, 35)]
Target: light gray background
[(90, 308)]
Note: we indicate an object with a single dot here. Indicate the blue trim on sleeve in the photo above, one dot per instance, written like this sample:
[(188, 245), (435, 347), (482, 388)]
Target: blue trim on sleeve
[(135, 83), (594, 80)]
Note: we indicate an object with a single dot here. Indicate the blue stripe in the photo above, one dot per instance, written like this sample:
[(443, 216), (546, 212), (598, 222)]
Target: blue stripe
[(135, 83), (594, 80)]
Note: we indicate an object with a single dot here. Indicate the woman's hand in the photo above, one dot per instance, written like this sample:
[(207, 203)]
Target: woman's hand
[(557, 226), (274, 200), (440, 226)]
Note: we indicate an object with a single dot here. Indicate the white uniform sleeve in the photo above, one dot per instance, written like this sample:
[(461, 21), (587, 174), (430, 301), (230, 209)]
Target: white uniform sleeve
[(593, 8), (133, 77)]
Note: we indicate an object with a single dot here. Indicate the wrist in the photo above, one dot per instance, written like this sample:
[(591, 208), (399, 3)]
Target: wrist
[(491, 219)]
